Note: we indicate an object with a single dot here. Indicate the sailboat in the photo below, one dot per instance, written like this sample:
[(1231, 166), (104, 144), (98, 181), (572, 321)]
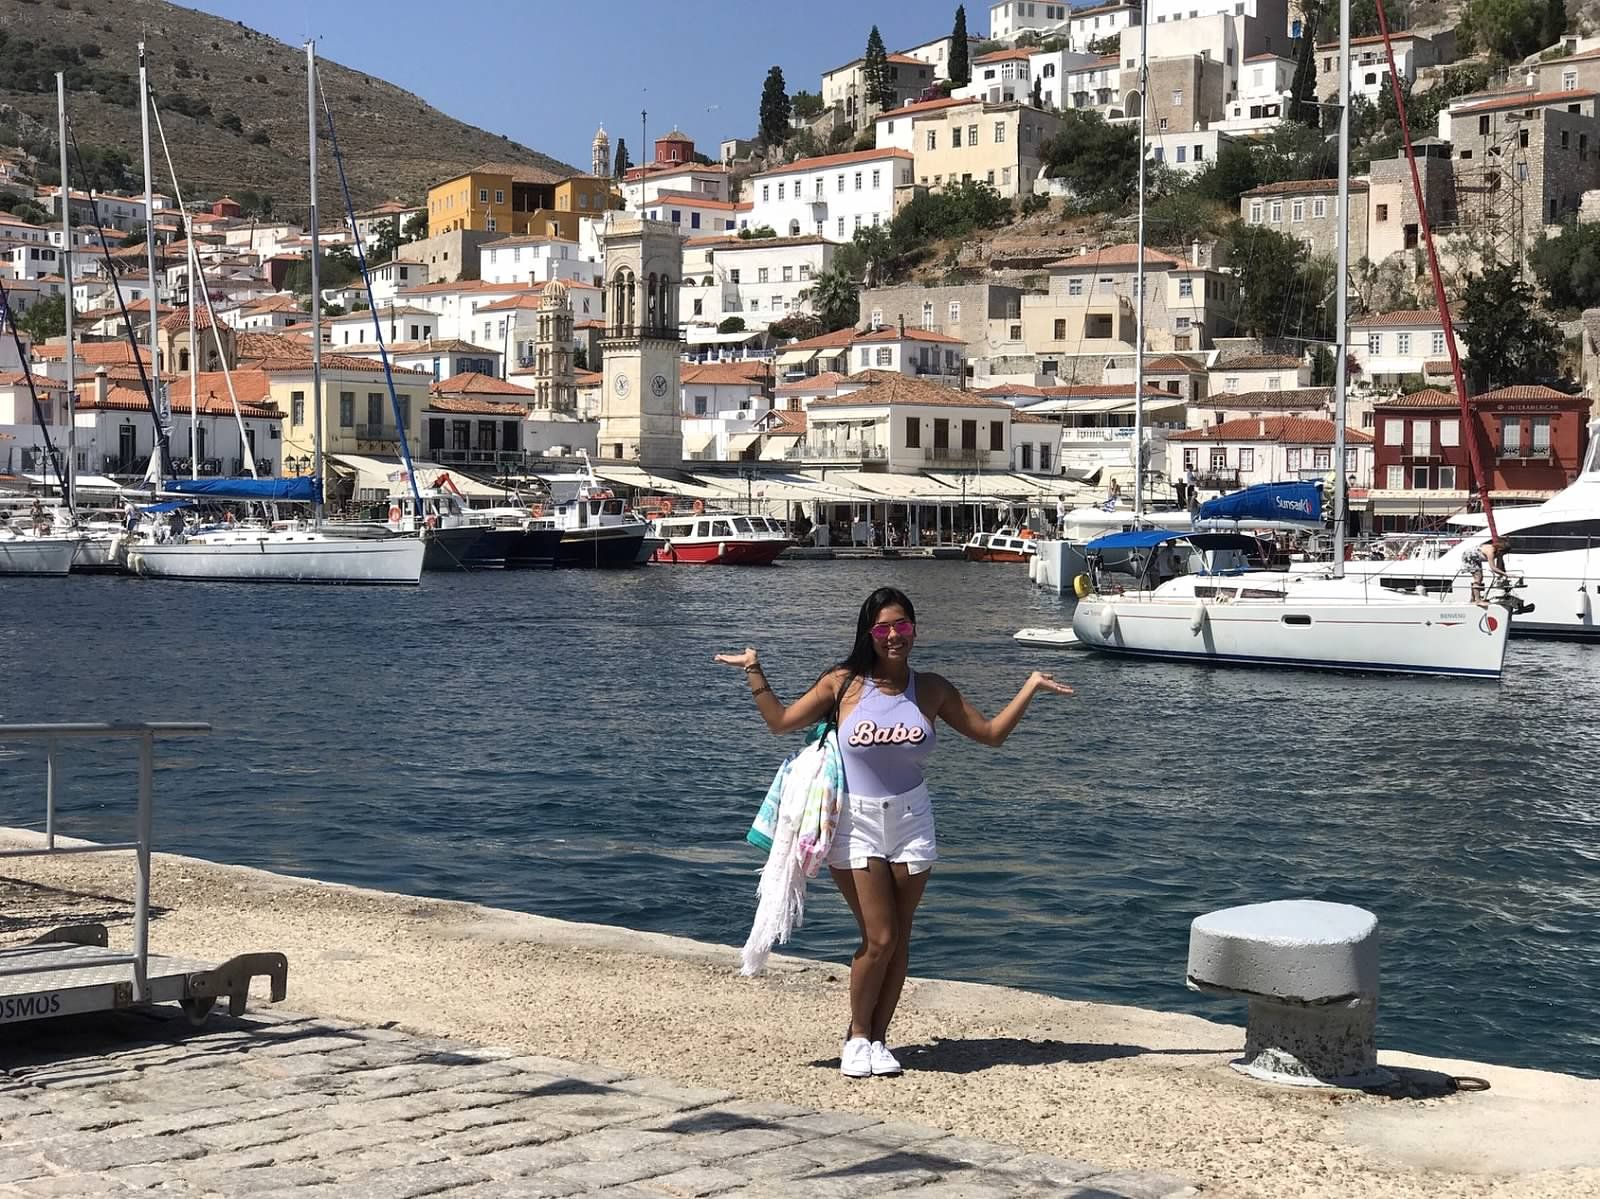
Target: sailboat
[(1193, 597), (281, 551)]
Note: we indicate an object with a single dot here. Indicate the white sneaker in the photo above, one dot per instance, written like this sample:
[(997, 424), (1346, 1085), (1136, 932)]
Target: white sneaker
[(883, 1062), (855, 1059)]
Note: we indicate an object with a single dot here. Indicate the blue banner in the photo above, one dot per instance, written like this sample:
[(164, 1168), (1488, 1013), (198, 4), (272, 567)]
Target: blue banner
[(1294, 503)]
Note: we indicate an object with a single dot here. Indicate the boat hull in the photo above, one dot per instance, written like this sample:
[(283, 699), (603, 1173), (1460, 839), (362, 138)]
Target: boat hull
[(308, 558), (101, 554), (1385, 637), (514, 549), (986, 554), (761, 552), (37, 555), (449, 548), (603, 547)]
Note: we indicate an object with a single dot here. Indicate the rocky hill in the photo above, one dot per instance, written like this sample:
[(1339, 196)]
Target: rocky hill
[(232, 100)]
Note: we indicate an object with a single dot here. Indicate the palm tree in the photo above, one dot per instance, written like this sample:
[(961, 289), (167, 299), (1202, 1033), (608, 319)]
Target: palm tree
[(835, 297)]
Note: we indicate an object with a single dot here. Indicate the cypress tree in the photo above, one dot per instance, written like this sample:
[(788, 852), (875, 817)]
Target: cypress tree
[(1303, 91), (875, 72), (1555, 21), (621, 162), (775, 110), (960, 61)]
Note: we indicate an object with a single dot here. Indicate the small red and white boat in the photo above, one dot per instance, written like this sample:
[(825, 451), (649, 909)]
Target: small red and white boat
[(1003, 545), (719, 538)]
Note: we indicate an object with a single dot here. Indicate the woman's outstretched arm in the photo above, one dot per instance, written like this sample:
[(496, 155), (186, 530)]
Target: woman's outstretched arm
[(960, 715), (780, 717)]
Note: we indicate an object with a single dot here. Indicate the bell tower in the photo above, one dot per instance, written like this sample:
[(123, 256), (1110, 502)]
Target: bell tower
[(600, 156), (640, 405)]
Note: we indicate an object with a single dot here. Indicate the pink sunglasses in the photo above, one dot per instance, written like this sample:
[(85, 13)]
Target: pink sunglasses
[(881, 631)]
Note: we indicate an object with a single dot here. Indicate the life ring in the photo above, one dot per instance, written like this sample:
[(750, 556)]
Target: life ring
[(536, 510), (432, 520), (1080, 586), (699, 507), (666, 507), (394, 514)]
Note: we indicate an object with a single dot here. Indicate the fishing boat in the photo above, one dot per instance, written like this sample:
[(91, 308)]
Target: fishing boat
[(1005, 544), (718, 539)]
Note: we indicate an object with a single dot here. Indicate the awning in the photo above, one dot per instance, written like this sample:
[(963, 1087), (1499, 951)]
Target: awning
[(796, 357), (778, 446), (697, 443), (373, 474), (738, 443)]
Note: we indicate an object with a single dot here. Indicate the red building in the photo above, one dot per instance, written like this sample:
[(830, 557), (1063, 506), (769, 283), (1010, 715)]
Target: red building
[(1530, 439), (226, 207), (674, 148)]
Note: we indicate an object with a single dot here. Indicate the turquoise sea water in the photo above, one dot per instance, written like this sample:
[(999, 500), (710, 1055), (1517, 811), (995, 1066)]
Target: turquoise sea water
[(561, 743)]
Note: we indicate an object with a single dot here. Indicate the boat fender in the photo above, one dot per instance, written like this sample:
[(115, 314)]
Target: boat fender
[(1197, 619), (1585, 610), (665, 552), (1108, 619), (722, 549), (1080, 586), (1033, 568), (394, 514)]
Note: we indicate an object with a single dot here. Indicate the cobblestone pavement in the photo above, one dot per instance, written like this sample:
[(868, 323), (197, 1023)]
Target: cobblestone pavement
[(275, 1103)]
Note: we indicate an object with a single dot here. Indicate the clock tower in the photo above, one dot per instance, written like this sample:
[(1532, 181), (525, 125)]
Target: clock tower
[(640, 405)]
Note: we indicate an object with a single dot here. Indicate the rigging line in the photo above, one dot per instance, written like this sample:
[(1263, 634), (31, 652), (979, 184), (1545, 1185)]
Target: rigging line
[(377, 320), (122, 306), (1469, 427), (9, 318), (245, 450)]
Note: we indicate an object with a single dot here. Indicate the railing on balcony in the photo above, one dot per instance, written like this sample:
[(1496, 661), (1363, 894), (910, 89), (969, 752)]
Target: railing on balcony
[(660, 332), (838, 451), (385, 433), (495, 459), (952, 456), (1217, 478), (936, 369), (1100, 433), (1529, 454)]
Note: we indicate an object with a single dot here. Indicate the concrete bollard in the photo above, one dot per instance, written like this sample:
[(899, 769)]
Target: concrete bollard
[(1309, 971)]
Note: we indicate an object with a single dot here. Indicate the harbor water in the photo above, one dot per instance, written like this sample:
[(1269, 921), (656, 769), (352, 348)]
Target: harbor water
[(561, 743)]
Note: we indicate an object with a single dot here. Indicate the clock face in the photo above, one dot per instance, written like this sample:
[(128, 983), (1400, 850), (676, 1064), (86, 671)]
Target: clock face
[(658, 385), (621, 385)]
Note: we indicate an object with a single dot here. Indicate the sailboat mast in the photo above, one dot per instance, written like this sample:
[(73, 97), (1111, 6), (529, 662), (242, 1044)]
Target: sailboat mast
[(194, 357), (70, 476), (162, 454), (316, 287), (1341, 292), (1138, 287)]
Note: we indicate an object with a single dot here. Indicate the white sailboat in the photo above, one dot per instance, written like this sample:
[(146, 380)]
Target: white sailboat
[(283, 551), (1194, 600)]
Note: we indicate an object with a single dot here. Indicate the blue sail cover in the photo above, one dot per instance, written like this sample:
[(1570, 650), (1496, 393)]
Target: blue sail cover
[(300, 491), (1133, 539), (1299, 503)]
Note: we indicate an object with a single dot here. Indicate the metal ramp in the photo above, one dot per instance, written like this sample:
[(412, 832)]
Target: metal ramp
[(71, 970)]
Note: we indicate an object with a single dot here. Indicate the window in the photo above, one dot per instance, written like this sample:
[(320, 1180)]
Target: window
[(1449, 432), (375, 408), (766, 192), (1230, 383), (877, 318), (1247, 458), (955, 138), (1074, 287), (1177, 97), (1297, 211), (1185, 289), (733, 275), (347, 409), (1510, 436), (1219, 458), (941, 434), (1569, 81), (1060, 330), (876, 177), (1181, 324), (840, 179), (999, 132), (1395, 479), (781, 186), (1005, 176), (927, 314), (997, 435), (1374, 343), (297, 407), (1026, 453), (1394, 431), (1436, 346), (700, 405), (483, 195), (1539, 431), (858, 180), (885, 356), (499, 196), (1255, 212), (694, 220), (761, 274), (841, 226), (1447, 478), (1181, 153), (1277, 212), (805, 271), (933, 144), (972, 135), (1402, 343), (1565, 139)]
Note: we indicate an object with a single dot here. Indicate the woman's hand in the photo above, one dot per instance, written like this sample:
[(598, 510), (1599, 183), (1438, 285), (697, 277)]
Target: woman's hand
[(744, 661), (1039, 681)]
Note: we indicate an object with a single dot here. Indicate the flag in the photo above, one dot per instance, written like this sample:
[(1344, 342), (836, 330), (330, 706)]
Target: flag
[(1110, 505), (399, 476)]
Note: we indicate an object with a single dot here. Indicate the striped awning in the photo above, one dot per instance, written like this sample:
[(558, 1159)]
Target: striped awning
[(796, 357), (778, 445)]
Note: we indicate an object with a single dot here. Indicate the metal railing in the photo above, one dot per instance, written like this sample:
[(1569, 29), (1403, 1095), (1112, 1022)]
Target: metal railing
[(377, 433), (831, 451), (146, 734), (950, 456)]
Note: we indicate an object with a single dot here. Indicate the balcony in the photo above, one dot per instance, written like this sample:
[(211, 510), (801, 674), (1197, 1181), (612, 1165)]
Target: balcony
[(634, 332), (838, 451), (490, 459), (383, 434), (947, 456), (1532, 456), (1217, 479)]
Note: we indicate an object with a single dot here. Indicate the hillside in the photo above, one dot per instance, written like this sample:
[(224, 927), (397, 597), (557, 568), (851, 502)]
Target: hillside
[(232, 100)]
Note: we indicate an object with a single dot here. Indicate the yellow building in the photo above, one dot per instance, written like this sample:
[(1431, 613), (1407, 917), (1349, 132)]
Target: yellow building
[(357, 417), (512, 199)]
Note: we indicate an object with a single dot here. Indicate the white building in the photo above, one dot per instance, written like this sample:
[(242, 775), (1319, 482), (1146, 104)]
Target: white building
[(1036, 444), (908, 426), (722, 403), (399, 322), (760, 280), (937, 53), (698, 216), (1259, 372), (33, 260), (643, 184), (535, 259), (1094, 87), (831, 196), (1011, 17), (1389, 347), (1269, 449), (1266, 83), (116, 432), (1052, 68), (895, 129), (1088, 26), (1189, 152), (1000, 77)]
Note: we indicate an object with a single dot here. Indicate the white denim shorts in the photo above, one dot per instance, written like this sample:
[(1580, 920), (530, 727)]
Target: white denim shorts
[(896, 828)]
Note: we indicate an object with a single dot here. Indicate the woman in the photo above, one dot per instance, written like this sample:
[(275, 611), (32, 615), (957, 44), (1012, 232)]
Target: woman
[(884, 846)]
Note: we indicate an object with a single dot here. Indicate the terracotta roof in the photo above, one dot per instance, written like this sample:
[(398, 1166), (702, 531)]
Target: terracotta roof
[(1291, 187), (1032, 418), (822, 381), (643, 170), (1299, 397), (834, 160), (462, 405), (299, 362), (1123, 255), (1372, 39), (518, 171), (873, 375), (690, 198), (1527, 391), (430, 289), (1436, 366), (433, 346), (95, 353), (791, 420), (903, 389), (1291, 430), (274, 303), (590, 378), (1014, 389), (715, 374), (1430, 397), (211, 387), (142, 308), (42, 382), (837, 340), (525, 239), (894, 333), (1526, 100), (384, 310), (249, 344), (531, 300), (1259, 362), (596, 324), (180, 319), (1266, 57), (477, 383), (904, 60), (912, 109), (1020, 52), (1108, 391), (1406, 319)]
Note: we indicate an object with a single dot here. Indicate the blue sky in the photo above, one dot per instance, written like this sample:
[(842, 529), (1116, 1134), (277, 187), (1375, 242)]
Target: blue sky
[(534, 70)]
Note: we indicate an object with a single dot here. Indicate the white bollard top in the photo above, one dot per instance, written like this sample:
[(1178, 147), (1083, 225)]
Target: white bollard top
[(1301, 949)]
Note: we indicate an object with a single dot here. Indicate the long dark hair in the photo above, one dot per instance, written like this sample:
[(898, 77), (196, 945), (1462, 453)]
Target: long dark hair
[(858, 663)]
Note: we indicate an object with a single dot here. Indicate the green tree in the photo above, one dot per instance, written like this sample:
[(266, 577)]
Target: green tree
[(1097, 160), (960, 68), (385, 243), (334, 269), (1511, 342), (1281, 294), (1232, 173), (620, 162), (1568, 266), (1513, 29), (1555, 21), (806, 105), (731, 324), (836, 299), (1303, 91), (774, 109), (1037, 99), (44, 319), (580, 358), (802, 144), (1186, 215), (875, 80), (797, 326), (133, 237), (416, 226)]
